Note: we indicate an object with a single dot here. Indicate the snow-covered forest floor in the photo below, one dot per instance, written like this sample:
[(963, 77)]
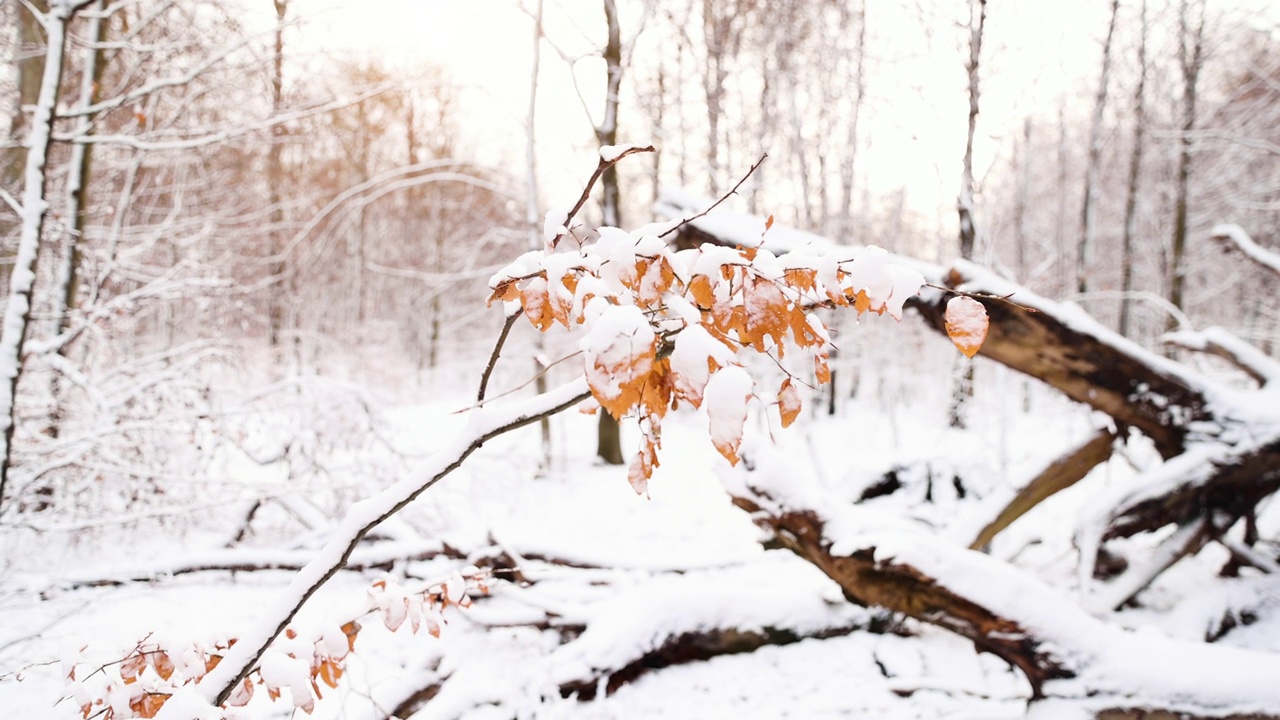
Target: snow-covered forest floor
[(604, 576)]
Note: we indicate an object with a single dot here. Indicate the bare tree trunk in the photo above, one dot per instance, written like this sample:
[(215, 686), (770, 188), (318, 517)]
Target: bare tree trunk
[(720, 36), (962, 388), (17, 316), (531, 216), (1135, 172), (968, 227), (608, 433), (848, 171), (1191, 59), (1020, 201), (1088, 210), (67, 279), (275, 175)]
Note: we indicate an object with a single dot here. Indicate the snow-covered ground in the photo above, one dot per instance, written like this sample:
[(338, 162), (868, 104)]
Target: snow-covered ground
[(607, 576)]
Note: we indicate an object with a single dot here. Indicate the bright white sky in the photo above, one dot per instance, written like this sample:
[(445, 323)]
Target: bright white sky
[(1037, 52)]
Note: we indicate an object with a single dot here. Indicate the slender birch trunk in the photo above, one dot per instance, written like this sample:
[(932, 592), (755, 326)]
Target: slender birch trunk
[(17, 316)]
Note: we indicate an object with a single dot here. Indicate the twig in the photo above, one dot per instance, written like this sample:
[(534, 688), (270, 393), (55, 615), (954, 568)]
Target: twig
[(983, 296), (493, 357), (545, 369), (724, 197), (586, 191)]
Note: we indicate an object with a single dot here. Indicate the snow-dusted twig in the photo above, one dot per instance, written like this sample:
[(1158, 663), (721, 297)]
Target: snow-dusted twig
[(714, 205), (604, 164), (1233, 235)]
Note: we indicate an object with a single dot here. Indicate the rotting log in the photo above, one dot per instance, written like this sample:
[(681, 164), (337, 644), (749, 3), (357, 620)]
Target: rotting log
[(1066, 655), (904, 589)]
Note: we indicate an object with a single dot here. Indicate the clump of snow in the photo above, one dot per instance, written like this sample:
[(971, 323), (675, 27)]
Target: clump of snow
[(611, 153)]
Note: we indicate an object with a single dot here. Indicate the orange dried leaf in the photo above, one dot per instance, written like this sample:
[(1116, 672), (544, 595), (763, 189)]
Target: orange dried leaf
[(505, 291), (862, 302), (132, 667), (802, 279), (788, 403), (537, 306), (768, 223), (642, 469), (821, 371), (351, 629), (163, 665), (704, 294), (149, 704), (655, 395), (967, 324), (329, 673)]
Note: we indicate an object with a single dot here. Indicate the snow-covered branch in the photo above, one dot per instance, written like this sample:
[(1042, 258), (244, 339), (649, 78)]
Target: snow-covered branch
[(482, 425), (1231, 235)]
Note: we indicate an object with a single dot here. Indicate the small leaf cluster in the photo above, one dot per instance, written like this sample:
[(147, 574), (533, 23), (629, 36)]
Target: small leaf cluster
[(661, 326)]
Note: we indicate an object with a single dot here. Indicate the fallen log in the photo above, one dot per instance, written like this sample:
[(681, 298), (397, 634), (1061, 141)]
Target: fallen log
[(1068, 656)]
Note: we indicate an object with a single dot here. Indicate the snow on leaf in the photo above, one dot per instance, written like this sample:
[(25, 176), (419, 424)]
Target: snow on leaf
[(821, 371), (788, 403), (695, 351), (967, 324), (162, 664), (619, 353), (132, 667), (329, 672), (725, 400), (642, 466), (533, 297)]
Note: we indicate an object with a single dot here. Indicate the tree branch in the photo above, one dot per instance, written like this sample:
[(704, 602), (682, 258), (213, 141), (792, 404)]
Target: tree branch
[(493, 357), (732, 191), (483, 424), (603, 165)]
